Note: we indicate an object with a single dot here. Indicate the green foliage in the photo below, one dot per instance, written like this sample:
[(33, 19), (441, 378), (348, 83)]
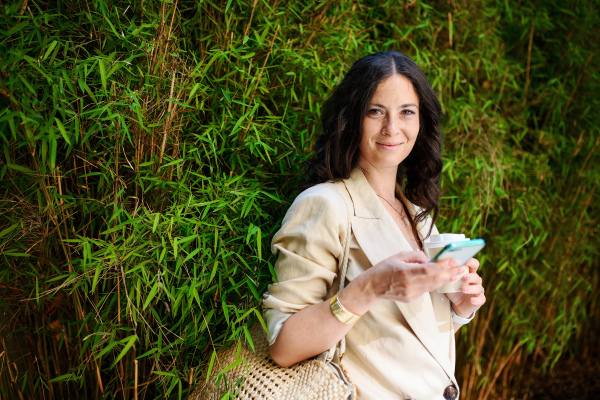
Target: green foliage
[(149, 149)]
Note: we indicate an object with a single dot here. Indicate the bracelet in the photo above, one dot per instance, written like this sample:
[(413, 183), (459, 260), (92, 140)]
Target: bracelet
[(342, 315), (460, 320)]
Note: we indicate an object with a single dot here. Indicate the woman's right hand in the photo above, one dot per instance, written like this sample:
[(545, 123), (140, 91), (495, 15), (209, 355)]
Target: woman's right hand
[(409, 274), (406, 276)]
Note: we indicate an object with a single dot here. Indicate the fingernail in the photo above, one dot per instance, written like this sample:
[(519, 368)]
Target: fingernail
[(453, 278), (464, 288), (452, 262)]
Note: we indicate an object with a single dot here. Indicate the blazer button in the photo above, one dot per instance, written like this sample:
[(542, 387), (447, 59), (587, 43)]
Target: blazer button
[(451, 393)]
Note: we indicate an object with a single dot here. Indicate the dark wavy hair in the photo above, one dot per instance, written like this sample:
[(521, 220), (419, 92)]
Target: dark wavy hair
[(336, 150)]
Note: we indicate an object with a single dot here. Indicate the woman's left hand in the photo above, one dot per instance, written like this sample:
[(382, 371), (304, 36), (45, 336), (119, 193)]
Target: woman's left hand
[(471, 298)]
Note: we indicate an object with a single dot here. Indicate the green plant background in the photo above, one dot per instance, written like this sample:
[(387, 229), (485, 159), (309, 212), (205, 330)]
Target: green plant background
[(149, 149)]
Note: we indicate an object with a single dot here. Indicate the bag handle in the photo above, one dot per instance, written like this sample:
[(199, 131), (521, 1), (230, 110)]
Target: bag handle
[(346, 247), (340, 347)]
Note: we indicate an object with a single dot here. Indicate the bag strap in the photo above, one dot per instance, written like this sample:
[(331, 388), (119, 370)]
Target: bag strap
[(340, 347), (346, 246)]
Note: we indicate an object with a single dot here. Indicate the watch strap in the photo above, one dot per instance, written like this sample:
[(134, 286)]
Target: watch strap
[(460, 320)]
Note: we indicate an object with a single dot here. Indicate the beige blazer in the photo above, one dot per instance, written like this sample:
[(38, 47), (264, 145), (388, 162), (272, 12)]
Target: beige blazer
[(397, 350)]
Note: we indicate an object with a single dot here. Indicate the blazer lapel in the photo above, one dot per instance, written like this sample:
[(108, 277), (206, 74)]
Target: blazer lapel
[(379, 237)]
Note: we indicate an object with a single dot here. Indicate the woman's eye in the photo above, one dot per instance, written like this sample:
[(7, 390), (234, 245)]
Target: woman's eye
[(408, 112), (375, 111)]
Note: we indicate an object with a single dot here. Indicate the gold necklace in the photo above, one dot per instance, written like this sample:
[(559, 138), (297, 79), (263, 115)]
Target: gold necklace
[(404, 219)]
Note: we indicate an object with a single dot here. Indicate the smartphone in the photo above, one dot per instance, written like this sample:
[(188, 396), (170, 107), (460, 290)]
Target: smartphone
[(460, 251)]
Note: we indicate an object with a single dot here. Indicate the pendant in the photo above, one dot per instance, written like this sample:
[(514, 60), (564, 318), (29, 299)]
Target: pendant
[(405, 220)]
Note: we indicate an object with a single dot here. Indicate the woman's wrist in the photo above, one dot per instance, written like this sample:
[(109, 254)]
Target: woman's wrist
[(358, 297), (464, 312), (341, 313)]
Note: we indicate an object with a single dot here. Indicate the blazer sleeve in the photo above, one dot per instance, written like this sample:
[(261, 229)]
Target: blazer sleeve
[(308, 247)]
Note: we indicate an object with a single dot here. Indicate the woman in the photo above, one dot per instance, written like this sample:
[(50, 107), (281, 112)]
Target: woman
[(380, 161)]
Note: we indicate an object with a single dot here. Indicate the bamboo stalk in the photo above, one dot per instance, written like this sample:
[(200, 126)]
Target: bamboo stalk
[(501, 91), (499, 370), (15, 383), (57, 368), (44, 359), (99, 379), (136, 379), (529, 58), (450, 29), (499, 341), (317, 21), (23, 7), (250, 19), (479, 348), (118, 302), (171, 110), (587, 62)]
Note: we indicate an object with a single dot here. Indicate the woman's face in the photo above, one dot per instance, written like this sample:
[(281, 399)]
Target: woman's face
[(391, 126)]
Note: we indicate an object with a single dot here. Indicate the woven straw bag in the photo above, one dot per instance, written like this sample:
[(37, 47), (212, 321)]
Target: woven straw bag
[(261, 378), (310, 379)]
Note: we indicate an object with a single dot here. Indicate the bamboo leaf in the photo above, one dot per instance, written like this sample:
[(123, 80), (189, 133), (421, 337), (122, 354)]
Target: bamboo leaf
[(102, 68), (151, 295), (62, 131), (231, 366), (190, 255), (211, 364), (146, 354), (96, 277), (155, 224), (163, 373), (108, 348), (8, 230), (130, 342), (65, 378), (50, 48), (20, 168), (248, 338)]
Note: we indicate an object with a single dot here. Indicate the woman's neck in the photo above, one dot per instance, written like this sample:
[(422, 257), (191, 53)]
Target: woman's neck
[(383, 182)]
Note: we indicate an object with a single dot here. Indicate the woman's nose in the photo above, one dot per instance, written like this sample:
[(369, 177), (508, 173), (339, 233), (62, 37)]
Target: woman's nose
[(392, 126)]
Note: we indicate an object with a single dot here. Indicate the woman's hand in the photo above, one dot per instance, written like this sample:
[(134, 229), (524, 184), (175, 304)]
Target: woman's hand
[(471, 298), (407, 275)]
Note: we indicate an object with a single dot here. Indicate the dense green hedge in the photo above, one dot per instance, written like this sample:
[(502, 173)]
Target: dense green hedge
[(149, 150)]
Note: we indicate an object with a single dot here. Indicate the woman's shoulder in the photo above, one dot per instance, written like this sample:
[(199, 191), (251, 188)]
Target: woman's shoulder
[(323, 198), (327, 190)]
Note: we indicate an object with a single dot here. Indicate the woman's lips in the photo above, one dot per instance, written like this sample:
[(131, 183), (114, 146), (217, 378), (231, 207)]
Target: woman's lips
[(389, 146)]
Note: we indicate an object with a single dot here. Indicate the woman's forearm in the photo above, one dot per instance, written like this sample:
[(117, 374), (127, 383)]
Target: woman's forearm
[(315, 329)]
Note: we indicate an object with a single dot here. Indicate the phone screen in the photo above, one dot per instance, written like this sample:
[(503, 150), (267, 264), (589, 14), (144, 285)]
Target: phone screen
[(460, 251)]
